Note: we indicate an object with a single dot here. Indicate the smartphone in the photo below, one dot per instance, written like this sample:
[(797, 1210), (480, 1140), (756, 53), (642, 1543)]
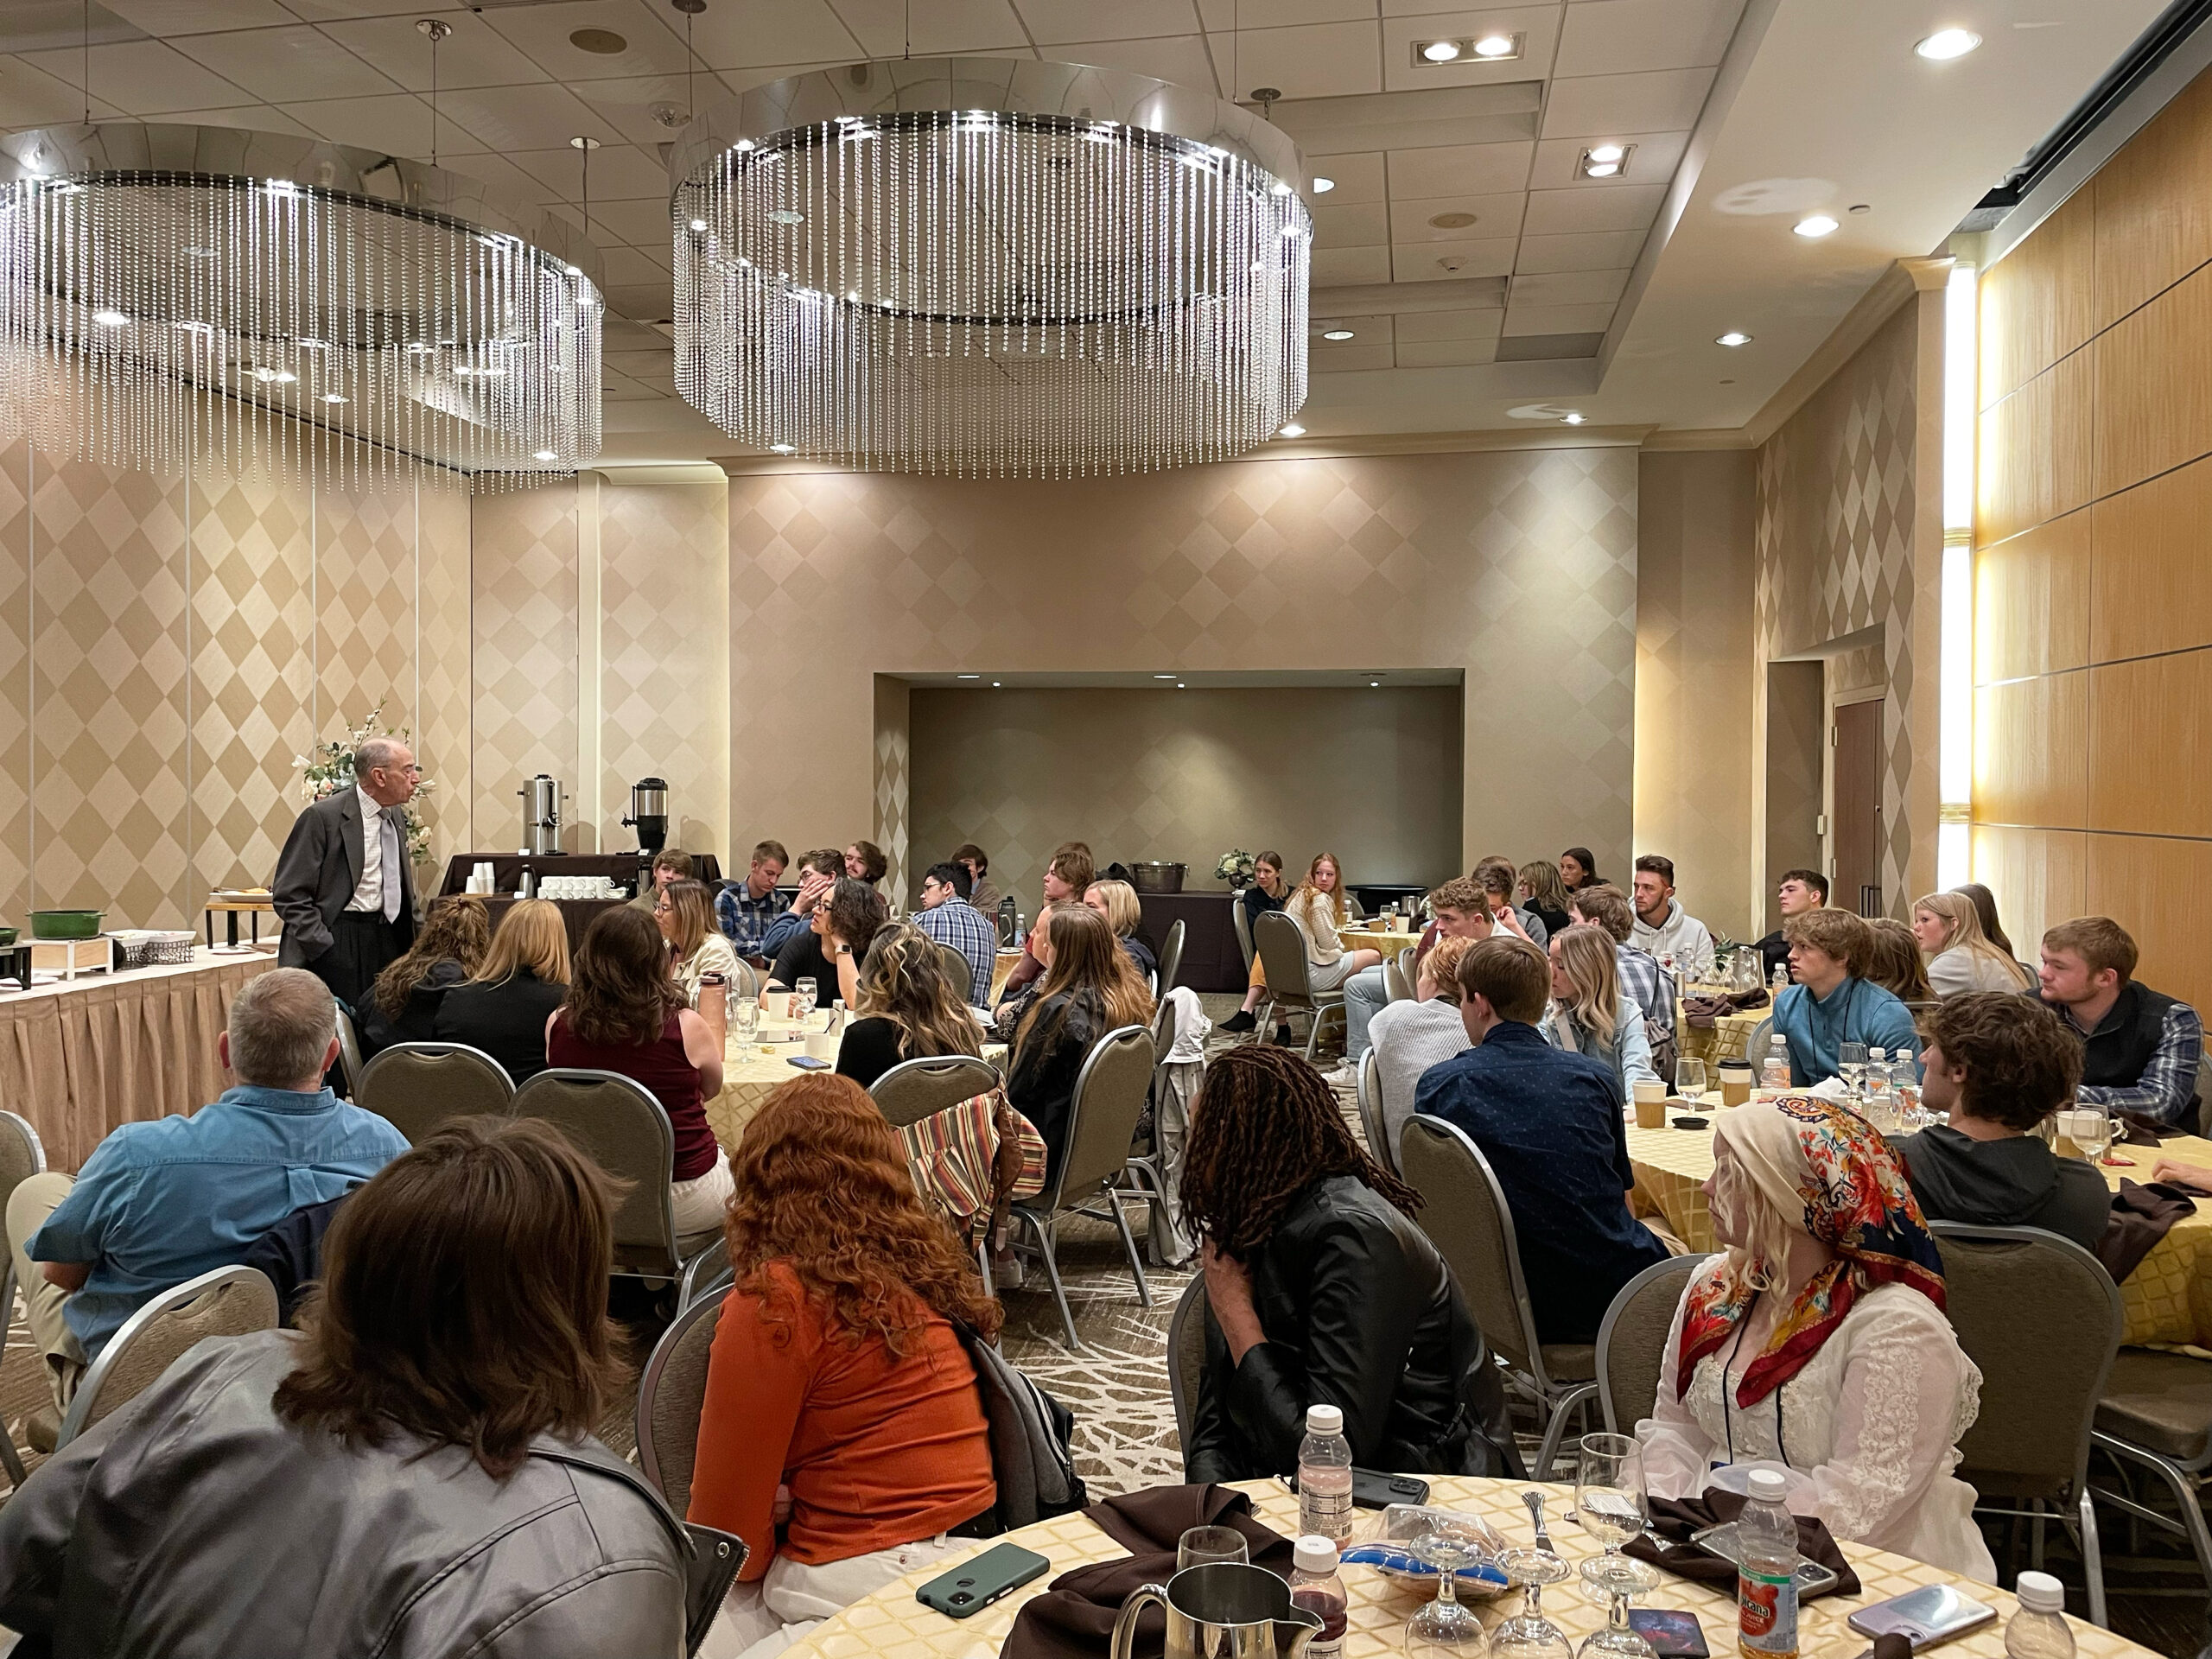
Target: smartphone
[(1933, 1613), (977, 1583), (1371, 1489), (1672, 1635), (808, 1063)]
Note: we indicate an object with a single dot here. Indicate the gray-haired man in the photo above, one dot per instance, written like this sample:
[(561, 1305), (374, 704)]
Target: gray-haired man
[(342, 887)]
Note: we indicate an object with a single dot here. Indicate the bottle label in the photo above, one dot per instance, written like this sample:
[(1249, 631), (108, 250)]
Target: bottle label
[(1766, 1614)]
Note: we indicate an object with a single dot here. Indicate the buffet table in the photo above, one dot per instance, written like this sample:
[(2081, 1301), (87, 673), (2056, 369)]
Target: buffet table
[(77, 1058), (576, 914)]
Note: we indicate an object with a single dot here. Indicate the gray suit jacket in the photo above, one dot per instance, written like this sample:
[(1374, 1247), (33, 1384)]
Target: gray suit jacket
[(316, 874)]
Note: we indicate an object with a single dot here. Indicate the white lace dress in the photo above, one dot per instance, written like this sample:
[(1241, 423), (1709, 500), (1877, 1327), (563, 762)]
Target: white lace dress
[(1871, 1425)]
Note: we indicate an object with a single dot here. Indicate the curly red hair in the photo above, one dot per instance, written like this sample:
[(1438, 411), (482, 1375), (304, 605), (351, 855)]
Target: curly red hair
[(823, 1188)]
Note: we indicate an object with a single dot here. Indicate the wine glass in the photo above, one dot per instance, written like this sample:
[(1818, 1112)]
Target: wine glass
[(1689, 1080), (1610, 1501), (1200, 1545), (806, 989), (1447, 1628), (1619, 1639), (1528, 1634), (1851, 1064), (2092, 1132), (744, 1018)]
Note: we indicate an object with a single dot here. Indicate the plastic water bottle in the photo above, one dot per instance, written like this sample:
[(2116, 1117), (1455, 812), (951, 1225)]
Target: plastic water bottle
[(2038, 1631), (1775, 1072), (1766, 1583), (1325, 1508), (1781, 980), (1904, 1077), (1315, 1586), (1881, 1103)]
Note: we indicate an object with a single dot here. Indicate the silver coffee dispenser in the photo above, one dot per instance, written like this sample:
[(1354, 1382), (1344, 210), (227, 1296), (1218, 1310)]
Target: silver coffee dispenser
[(649, 813), (541, 816)]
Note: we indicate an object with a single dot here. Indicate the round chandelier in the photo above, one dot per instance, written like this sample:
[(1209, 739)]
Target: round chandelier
[(175, 297), (990, 268)]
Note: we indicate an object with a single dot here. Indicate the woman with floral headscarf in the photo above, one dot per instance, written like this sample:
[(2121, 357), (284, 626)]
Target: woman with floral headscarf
[(1818, 1340)]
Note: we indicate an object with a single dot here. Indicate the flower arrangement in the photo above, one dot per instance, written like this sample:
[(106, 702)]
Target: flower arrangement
[(1233, 866), (332, 769)]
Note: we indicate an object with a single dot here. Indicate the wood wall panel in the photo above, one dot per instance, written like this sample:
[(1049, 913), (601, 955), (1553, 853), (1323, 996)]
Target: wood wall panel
[(2039, 876), (2028, 763), (2150, 725), (2032, 602), (2037, 306), (2036, 451), (2153, 391), (2160, 891), (2153, 213), (2148, 590)]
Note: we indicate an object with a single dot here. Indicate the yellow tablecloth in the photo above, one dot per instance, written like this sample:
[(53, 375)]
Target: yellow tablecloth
[(749, 1076), (2168, 1298), (892, 1624), (1000, 969), (1725, 1041), (1360, 936)]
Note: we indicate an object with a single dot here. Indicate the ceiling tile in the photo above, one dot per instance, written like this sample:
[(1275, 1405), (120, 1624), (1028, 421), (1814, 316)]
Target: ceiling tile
[(541, 33), (1631, 207), (1342, 360), (1429, 326), (398, 123), (1334, 265), (940, 27), (1351, 224), (1495, 215), (634, 268), (1592, 251), (1461, 170), (292, 63), (619, 173), (643, 223), (1402, 73), (1666, 100), (1439, 261), (1367, 329), (1439, 117), (325, 11), (1568, 287), (1559, 319), (1222, 17), (1181, 59), (145, 77), (474, 54), (1054, 21), (749, 34), (510, 119), (1311, 60), (29, 97), (628, 104), (1359, 178), (1652, 160), (254, 118), (170, 18), (1445, 354), (1608, 37)]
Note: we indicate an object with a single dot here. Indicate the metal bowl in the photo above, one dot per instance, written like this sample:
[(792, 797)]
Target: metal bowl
[(1152, 876), (67, 924)]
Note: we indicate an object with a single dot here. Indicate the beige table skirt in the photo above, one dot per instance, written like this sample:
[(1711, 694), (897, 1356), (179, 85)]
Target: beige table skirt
[(77, 1059)]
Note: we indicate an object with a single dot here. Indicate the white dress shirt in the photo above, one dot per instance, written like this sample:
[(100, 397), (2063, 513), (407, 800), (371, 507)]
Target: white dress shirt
[(368, 891)]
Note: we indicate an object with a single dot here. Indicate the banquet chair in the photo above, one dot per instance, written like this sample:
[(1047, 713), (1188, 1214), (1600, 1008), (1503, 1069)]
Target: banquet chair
[(671, 1394), (616, 1122), (1186, 1362), (417, 1087), (1110, 1097), (2157, 1414), (349, 1053), (231, 1301), (2041, 1376), (1632, 1340), (1243, 925), (22, 1156), (1371, 1120), (958, 970), (1281, 946), (2204, 1095), (1147, 1174), (1171, 955), (913, 1090), (1395, 986), (1463, 1211), (1755, 1046)]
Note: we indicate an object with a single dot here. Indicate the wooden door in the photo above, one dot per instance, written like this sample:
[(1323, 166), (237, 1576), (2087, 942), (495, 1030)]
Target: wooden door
[(1855, 837)]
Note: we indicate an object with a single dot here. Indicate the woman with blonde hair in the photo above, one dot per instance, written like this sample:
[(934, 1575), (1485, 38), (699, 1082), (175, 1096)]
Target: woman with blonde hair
[(1319, 910), (1960, 956), (503, 1007), (1542, 892), (1591, 1013), (1090, 987), (402, 1007), (695, 945), (1893, 961), (905, 1007), (1117, 902)]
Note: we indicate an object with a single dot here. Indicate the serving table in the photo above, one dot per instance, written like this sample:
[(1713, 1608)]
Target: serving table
[(506, 869), (892, 1624)]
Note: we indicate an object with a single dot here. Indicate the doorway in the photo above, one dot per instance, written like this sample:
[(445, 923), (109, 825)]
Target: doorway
[(1855, 845)]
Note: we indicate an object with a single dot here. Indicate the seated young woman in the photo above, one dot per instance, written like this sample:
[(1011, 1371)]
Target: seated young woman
[(1090, 987), (1591, 1013), (904, 1008), (503, 1006), (1819, 1340), (1961, 957), (1893, 961), (835, 941), (1117, 902), (1319, 910), (685, 916), (380, 1481), (625, 1014), (1268, 891), (842, 1436), (1321, 1290), (402, 1007)]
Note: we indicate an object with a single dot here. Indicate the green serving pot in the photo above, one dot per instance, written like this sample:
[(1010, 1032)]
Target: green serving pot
[(65, 923), (7, 938)]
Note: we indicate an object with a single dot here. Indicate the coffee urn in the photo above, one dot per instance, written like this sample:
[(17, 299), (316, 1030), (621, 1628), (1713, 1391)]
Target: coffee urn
[(541, 816), (648, 812)]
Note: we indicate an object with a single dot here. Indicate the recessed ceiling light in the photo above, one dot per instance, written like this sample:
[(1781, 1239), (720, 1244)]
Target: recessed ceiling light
[(1733, 338), (1163, 677), (545, 454), (1601, 170), (1374, 683), (1607, 152), (600, 42), (1336, 334), (332, 397), (783, 449), (1179, 686), (1947, 43), (1451, 221), (1322, 186), (967, 677), (994, 685), (1438, 51), (110, 319), (1607, 161), (1293, 430), (1818, 225), (1572, 417), (1495, 46)]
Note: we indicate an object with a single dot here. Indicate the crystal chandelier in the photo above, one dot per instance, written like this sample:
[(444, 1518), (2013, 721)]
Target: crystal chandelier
[(177, 297), (990, 268)]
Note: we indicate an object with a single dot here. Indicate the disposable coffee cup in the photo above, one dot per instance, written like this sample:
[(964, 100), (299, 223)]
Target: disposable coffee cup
[(1650, 1105), (1735, 1083)]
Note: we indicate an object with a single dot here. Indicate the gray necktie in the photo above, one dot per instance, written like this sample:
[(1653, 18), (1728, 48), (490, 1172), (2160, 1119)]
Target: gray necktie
[(390, 865)]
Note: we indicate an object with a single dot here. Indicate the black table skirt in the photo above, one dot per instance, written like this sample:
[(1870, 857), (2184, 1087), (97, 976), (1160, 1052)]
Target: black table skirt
[(576, 913), (1211, 958), (506, 869)]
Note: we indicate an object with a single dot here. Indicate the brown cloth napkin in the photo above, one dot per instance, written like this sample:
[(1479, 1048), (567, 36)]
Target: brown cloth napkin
[(1703, 1011), (1676, 1519), (2140, 1216), (1074, 1619), (2144, 1131)]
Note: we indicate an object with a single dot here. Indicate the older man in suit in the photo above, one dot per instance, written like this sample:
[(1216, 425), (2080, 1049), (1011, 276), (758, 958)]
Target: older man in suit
[(342, 887)]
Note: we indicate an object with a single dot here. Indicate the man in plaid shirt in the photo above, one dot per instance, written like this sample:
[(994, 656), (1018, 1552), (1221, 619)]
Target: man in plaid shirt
[(947, 917), (744, 909), (2139, 1047)]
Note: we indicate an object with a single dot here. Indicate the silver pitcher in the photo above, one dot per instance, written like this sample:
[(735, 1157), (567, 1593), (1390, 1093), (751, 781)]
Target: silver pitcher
[(1223, 1609)]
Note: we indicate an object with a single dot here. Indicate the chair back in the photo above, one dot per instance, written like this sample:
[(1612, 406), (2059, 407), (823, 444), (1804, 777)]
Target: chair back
[(1281, 944), (958, 970), (415, 1087), (1243, 925), (231, 1302), (1371, 1120), (1170, 953), (2205, 1094), (671, 1393), (1109, 1095), (1395, 986), (349, 1053), (1163, 1031), (22, 1156), (1632, 1340), (1186, 1362), (1464, 1214), (616, 1121), (2041, 1375), (913, 1090), (1755, 1046)]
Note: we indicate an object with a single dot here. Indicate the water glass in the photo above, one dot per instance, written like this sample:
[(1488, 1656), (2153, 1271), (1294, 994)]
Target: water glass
[(2091, 1130), (1619, 1639), (1528, 1634), (1610, 1501), (1689, 1080), (745, 1019), (1203, 1544), (1447, 1628), (1851, 1064), (806, 989)]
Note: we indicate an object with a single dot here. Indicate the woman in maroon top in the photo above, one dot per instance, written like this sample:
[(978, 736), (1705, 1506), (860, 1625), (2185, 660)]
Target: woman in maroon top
[(624, 1013)]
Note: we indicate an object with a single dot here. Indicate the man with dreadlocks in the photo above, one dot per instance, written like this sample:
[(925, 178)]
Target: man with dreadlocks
[(1322, 1291)]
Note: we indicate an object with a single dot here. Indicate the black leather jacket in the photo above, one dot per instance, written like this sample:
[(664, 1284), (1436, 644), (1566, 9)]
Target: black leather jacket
[(1360, 1313)]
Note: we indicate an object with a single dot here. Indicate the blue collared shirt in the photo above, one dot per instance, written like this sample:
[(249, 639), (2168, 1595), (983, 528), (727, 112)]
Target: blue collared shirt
[(745, 920), (157, 1204), (1856, 1011), (967, 930)]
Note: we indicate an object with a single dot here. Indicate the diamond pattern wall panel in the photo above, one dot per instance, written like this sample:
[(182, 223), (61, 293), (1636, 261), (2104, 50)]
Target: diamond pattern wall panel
[(523, 549), (365, 607), (15, 682), (894, 790), (441, 663)]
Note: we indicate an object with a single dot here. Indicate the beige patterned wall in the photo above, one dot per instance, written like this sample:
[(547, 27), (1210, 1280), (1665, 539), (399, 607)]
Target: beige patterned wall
[(524, 631), (15, 682), (894, 788)]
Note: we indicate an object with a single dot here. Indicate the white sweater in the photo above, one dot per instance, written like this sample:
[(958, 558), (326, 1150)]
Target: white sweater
[(1681, 934)]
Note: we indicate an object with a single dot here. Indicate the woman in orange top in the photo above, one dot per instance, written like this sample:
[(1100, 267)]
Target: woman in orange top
[(842, 1437)]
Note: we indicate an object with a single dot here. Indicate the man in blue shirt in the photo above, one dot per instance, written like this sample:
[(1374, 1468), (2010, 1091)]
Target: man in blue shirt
[(1554, 1126), (947, 917), (162, 1202), (1830, 1004), (745, 910)]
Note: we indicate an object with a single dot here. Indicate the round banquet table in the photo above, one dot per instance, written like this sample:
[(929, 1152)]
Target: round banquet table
[(2167, 1299), (1362, 937), (892, 1624), (751, 1071)]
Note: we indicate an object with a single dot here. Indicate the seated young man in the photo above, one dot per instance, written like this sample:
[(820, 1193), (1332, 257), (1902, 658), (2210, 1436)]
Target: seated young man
[(2000, 1066), (162, 1202), (1830, 1004), (1797, 892), (2139, 1047), (818, 873), (1462, 911), (1554, 1127)]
